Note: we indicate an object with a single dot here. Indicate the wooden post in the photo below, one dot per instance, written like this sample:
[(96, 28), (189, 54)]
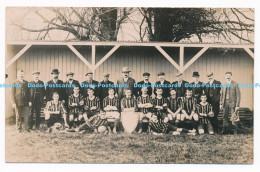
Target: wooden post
[(93, 55)]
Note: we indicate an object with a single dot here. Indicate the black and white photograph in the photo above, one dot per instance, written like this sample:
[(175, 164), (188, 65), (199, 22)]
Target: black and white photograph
[(129, 85)]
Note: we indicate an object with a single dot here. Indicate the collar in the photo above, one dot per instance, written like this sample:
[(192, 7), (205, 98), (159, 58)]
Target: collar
[(203, 103)]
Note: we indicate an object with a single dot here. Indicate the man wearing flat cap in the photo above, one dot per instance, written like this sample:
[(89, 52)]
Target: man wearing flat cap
[(37, 96), (164, 84), (105, 85), (89, 83), (147, 84), (128, 84), (55, 85), (180, 83), (213, 97), (197, 86), (70, 83)]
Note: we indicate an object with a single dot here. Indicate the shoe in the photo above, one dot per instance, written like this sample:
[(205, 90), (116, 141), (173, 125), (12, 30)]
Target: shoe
[(175, 133), (179, 129), (48, 130), (82, 132), (140, 131), (191, 134), (114, 131)]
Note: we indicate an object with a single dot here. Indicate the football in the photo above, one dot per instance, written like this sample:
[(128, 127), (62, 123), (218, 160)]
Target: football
[(102, 129)]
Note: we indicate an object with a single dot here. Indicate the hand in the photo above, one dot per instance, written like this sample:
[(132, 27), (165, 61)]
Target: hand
[(81, 103), (74, 104), (165, 104), (30, 103), (221, 107), (13, 105), (63, 101), (93, 108)]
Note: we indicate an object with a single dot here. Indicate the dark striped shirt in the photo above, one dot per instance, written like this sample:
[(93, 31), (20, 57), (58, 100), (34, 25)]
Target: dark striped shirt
[(111, 102), (91, 103), (159, 102), (205, 109), (77, 100), (158, 127), (97, 121), (144, 100), (128, 103), (188, 104), (52, 107), (174, 103)]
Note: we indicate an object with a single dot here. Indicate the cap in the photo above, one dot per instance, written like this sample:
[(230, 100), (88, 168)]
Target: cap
[(55, 71), (195, 74), (146, 74), (69, 73), (161, 74)]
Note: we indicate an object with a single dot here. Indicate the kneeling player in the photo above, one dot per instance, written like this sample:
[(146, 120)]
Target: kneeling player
[(92, 105), (54, 111), (144, 103), (160, 105), (111, 107), (174, 108), (75, 106), (205, 111)]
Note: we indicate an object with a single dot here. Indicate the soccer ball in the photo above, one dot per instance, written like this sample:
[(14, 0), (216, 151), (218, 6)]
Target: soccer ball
[(102, 129)]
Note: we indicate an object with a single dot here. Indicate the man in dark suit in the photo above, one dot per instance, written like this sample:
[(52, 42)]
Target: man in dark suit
[(197, 86), (213, 96), (180, 83), (229, 101), (20, 100), (89, 83), (55, 85), (128, 84), (147, 84), (105, 85), (70, 83), (37, 97), (164, 84)]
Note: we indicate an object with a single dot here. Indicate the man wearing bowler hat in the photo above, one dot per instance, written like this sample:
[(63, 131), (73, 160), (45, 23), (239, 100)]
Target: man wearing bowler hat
[(70, 85), (147, 84), (128, 83), (164, 84), (37, 96), (55, 85), (89, 83), (197, 86), (105, 85), (181, 88), (213, 97)]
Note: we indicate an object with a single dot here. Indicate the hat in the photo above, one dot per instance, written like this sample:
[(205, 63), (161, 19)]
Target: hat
[(55, 71), (229, 73), (209, 74), (125, 69), (195, 74), (35, 72), (179, 74), (91, 88), (161, 74), (69, 73), (146, 74), (106, 74), (89, 73), (6, 76)]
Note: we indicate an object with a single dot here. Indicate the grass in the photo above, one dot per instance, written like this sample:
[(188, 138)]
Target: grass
[(122, 148)]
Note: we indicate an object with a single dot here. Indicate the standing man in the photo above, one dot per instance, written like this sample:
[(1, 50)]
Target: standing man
[(181, 88), (146, 76), (213, 96), (71, 83), (229, 100), (37, 97), (163, 84), (20, 100), (104, 90), (55, 85), (197, 86), (128, 83), (89, 83)]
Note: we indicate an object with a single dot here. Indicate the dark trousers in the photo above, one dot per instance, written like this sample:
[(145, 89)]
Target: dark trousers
[(36, 108), (22, 111), (214, 119), (54, 118)]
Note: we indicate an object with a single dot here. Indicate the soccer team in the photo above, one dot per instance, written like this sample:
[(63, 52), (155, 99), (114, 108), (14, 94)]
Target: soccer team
[(175, 110)]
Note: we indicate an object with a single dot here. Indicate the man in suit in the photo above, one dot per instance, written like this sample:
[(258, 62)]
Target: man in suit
[(128, 83), (163, 84), (213, 97), (89, 83), (20, 100), (55, 85), (180, 83), (105, 85), (37, 97), (147, 84), (229, 100), (70, 83), (197, 86)]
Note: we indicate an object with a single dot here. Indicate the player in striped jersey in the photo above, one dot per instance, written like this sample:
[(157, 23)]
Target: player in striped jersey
[(144, 103), (54, 111), (160, 105), (92, 105), (75, 107), (174, 108), (128, 103), (111, 106), (205, 112)]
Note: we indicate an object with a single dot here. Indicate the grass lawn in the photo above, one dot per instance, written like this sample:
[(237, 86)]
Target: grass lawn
[(123, 148)]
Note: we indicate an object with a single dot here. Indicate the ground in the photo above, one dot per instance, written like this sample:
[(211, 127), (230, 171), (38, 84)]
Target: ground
[(125, 148)]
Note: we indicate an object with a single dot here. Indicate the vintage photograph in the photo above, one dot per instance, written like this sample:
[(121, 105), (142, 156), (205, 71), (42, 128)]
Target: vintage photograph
[(129, 85)]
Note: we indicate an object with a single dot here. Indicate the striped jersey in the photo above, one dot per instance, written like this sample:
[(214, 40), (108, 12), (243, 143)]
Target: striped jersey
[(174, 103), (73, 99), (158, 127), (205, 109), (97, 121), (128, 103), (111, 102), (159, 102), (52, 107), (188, 104), (91, 103), (144, 100)]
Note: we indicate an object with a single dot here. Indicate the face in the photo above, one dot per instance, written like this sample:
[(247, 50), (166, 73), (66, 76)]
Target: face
[(111, 92), (203, 99), (173, 93), (228, 77), (106, 78), (20, 75), (144, 90), (210, 77), (125, 74), (36, 77), (128, 93), (70, 77), (89, 77), (76, 90), (90, 92), (161, 78), (159, 92), (195, 78), (189, 93), (55, 97), (179, 78), (55, 76), (146, 78)]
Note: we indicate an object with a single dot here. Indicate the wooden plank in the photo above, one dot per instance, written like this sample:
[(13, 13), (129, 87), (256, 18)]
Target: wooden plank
[(249, 52), (181, 58), (93, 60)]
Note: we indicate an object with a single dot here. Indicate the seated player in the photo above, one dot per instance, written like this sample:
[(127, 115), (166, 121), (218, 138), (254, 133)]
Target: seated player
[(54, 111), (205, 112), (189, 115), (144, 103), (111, 107), (174, 108), (92, 105), (160, 105), (75, 107)]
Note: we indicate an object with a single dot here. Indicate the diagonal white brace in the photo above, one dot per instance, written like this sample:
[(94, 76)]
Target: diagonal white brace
[(249, 52)]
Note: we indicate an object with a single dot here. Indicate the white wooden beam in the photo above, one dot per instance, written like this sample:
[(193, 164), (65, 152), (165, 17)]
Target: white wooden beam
[(181, 58), (18, 55), (107, 56), (168, 58), (93, 60), (249, 52), (80, 56), (195, 58)]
